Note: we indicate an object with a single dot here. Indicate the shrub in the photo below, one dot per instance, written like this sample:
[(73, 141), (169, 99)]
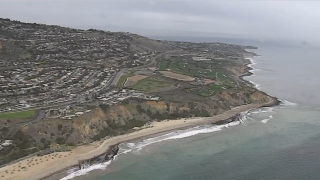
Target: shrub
[(140, 110), (60, 140)]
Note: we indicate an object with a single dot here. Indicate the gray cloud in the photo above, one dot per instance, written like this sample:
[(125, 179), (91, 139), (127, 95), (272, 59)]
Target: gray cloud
[(295, 20)]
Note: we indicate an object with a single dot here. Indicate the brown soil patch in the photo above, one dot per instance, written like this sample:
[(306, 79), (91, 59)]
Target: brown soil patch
[(134, 79), (208, 81), (180, 77), (152, 68)]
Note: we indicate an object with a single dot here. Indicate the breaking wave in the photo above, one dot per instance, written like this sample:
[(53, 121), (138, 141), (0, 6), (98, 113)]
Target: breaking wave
[(262, 110), (84, 171), (252, 63), (256, 85), (287, 103), (128, 147), (266, 120)]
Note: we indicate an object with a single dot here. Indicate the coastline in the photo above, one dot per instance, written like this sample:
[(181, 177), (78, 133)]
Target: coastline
[(62, 161)]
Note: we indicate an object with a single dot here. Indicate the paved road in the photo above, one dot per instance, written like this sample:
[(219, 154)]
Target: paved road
[(117, 77)]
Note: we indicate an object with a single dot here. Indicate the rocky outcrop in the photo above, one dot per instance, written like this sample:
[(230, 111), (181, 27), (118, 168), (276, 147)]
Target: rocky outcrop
[(108, 156)]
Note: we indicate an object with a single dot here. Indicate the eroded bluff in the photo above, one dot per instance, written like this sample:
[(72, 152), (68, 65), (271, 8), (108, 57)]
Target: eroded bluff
[(117, 119)]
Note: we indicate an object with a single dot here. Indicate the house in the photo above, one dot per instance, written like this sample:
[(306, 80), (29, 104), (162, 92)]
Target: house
[(154, 98), (79, 113), (7, 143)]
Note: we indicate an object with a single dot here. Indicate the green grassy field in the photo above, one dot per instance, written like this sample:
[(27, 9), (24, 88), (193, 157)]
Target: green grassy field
[(208, 90), (191, 68), (18, 115), (215, 70), (123, 78), (149, 84)]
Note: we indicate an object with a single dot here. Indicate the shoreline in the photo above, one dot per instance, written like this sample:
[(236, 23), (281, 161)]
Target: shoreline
[(59, 164), (87, 152)]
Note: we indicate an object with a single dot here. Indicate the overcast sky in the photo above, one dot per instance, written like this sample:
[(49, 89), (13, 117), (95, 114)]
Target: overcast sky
[(295, 20)]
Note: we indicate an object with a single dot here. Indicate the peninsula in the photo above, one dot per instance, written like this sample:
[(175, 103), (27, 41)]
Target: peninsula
[(67, 95)]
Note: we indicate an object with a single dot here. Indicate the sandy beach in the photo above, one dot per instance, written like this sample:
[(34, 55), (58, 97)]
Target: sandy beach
[(38, 167)]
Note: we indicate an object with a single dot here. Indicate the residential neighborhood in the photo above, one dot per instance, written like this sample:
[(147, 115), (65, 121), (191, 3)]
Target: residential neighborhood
[(61, 66)]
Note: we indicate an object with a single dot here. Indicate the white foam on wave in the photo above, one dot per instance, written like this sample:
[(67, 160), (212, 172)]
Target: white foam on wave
[(234, 123), (266, 120), (262, 110), (267, 109), (252, 62), (195, 132), (252, 71), (84, 171), (129, 147), (287, 103), (256, 85)]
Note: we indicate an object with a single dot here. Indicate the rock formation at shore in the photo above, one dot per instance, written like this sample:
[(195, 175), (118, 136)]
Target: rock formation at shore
[(109, 155)]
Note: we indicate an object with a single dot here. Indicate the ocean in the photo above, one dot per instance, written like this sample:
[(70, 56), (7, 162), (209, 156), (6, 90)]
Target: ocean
[(278, 143)]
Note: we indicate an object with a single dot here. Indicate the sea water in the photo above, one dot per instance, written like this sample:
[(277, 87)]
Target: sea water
[(271, 143)]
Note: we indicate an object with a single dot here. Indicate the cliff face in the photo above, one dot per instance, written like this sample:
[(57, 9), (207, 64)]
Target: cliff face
[(237, 70), (122, 118)]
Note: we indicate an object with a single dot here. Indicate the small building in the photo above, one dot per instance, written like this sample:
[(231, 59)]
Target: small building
[(6, 143), (154, 98), (121, 98), (200, 59), (79, 113)]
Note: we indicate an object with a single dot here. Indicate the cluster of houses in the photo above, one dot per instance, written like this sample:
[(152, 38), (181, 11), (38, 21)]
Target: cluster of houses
[(22, 89), (109, 97), (45, 65), (116, 96), (67, 112), (70, 46), (214, 50)]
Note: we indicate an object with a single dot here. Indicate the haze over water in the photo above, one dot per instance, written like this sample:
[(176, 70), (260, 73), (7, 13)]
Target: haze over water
[(277, 143)]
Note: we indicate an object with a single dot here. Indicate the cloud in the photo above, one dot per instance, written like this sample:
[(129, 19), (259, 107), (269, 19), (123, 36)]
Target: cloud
[(295, 20)]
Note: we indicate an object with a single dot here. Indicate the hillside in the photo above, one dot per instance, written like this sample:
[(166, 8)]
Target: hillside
[(62, 87)]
